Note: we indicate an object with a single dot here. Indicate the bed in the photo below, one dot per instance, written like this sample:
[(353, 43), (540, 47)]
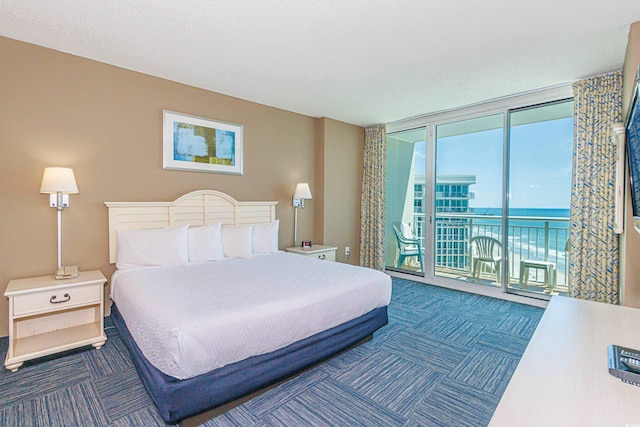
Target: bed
[(207, 325)]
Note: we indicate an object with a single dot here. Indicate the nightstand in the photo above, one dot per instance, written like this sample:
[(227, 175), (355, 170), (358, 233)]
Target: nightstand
[(327, 253), (47, 316)]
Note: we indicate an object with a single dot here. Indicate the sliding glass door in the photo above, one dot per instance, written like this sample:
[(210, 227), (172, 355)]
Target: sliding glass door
[(468, 199), (451, 184), (540, 159), (405, 218)]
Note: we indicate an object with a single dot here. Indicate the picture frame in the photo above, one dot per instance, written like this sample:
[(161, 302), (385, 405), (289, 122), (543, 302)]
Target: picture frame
[(198, 144), (306, 244)]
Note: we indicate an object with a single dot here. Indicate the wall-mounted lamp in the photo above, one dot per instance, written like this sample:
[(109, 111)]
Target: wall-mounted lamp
[(59, 183), (302, 192)]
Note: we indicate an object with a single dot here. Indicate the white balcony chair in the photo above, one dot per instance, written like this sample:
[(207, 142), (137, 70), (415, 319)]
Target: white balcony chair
[(408, 246), (485, 249)]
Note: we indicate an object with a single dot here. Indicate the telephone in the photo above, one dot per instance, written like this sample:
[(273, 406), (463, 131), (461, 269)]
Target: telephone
[(67, 272), (624, 363)]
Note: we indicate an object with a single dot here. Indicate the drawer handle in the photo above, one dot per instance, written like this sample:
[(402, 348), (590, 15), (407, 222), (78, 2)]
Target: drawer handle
[(323, 256), (67, 296)]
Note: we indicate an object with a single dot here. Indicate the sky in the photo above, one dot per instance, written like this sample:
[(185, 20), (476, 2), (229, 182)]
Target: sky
[(540, 167)]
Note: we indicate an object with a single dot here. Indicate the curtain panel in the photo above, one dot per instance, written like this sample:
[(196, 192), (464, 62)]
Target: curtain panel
[(593, 250), (373, 198)]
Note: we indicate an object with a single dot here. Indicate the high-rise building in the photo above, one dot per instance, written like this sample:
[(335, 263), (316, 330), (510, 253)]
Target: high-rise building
[(452, 195)]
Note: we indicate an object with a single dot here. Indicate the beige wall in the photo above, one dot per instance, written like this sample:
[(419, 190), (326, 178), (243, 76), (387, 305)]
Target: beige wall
[(106, 123), (630, 241), (343, 154)]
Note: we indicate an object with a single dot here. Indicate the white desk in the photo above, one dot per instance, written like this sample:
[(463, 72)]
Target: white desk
[(563, 377)]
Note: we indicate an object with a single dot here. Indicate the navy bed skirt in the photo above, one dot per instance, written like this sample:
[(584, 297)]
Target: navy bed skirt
[(178, 399)]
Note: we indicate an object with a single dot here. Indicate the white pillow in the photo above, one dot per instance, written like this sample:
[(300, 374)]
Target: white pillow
[(205, 243), (236, 241), (157, 246), (265, 238)]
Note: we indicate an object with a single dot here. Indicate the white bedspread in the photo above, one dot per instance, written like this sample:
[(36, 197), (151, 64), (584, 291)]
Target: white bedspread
[(191, 320)]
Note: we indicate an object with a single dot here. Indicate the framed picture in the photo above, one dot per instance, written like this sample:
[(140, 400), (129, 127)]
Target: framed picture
[(197, 144)]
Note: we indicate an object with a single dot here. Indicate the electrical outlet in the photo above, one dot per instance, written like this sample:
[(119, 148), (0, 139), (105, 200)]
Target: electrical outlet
[(347, 251)]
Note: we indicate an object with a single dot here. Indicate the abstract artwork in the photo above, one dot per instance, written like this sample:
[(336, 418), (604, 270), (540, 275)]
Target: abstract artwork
[(202, 145)]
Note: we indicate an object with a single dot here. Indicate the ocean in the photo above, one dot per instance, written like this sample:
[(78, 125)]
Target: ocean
[(537, 212), (527, 237), (518, 217)]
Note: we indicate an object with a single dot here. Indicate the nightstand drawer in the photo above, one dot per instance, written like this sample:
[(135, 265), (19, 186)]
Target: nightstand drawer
[(56, 299), (325, 255)]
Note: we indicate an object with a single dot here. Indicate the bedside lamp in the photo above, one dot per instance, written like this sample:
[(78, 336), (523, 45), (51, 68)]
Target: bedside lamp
[(59, 183), (302, 192)]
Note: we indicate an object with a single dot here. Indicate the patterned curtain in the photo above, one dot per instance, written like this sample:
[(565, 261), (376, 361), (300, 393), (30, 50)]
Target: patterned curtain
[(373, 200), (593, 251)]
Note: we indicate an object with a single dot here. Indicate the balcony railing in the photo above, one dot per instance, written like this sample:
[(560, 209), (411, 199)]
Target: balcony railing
[(531, 238), (468, 195)]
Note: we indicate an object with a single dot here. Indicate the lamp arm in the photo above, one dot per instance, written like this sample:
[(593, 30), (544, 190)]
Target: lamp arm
[(61, 202), (59, 236), (295, 227)]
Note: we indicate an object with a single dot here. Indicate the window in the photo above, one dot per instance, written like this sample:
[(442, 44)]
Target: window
[(460, 165)]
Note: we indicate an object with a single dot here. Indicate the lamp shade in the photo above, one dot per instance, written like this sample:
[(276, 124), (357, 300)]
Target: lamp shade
[(302, 191), (58, 180)]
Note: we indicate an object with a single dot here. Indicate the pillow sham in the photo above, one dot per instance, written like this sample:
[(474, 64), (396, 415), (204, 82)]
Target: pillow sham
[(152, 247), (205, 243), (237, 241), (265, 238)]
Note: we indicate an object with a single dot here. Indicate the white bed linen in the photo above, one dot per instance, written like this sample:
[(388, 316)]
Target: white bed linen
[(193, 319)]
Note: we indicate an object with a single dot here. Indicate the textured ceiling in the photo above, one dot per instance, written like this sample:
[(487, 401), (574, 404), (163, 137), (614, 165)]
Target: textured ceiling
[(359, 61)]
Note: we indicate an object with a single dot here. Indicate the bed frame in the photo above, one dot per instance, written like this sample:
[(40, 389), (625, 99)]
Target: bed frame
[(197, 399)]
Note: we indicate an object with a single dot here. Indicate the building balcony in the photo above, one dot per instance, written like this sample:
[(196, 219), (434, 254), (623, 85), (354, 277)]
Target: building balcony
[(538, 239), (456, 195)]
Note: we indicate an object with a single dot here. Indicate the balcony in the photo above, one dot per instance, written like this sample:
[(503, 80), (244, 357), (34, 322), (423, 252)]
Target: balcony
[(528, 238), (466, 195)]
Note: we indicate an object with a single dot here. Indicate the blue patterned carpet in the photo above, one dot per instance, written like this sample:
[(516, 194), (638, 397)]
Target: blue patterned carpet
[(444, 360)]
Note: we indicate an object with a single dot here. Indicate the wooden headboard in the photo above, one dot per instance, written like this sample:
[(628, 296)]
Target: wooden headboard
[(200, 207)]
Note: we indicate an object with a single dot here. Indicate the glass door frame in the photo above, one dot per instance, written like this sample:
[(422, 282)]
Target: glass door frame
[(429, 122), (431, 155), (506, 193)]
